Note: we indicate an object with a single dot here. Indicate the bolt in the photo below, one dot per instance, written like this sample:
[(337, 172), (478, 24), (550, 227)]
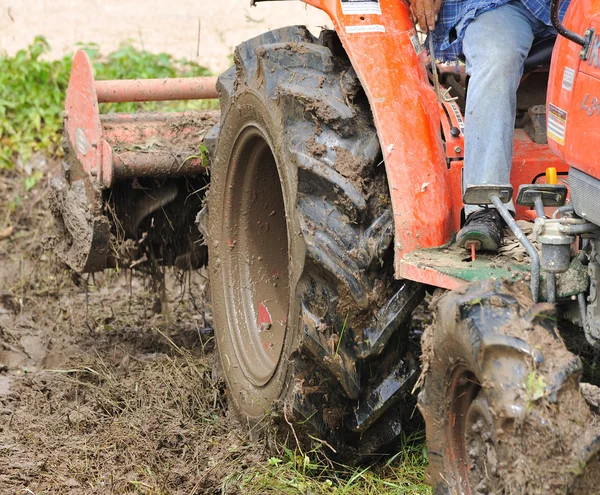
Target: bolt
[(457, 149), (94, 172)]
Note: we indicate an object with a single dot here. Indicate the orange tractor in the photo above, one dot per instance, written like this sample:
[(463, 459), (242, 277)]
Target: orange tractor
[(324, 199)]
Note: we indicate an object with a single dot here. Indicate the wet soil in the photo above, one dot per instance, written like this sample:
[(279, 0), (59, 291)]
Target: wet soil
[(99, 392)]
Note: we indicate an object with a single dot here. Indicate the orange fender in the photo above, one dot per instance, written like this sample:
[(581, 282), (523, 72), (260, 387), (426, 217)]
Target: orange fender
[(383, 50)]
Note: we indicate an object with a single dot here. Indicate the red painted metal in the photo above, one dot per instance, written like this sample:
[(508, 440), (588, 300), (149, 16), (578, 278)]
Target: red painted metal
[(188, 88), (579, 99), (264, 316), (383, 50), (429, 276), (119, 128), (451, 117), (83, 128), (132, 164), (104, 144)]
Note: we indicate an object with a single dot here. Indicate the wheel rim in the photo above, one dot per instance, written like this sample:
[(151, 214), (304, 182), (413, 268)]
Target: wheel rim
[(255, 256), (467, 424)]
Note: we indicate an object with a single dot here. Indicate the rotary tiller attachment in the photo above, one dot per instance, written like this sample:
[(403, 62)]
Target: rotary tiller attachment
[(139, 177)]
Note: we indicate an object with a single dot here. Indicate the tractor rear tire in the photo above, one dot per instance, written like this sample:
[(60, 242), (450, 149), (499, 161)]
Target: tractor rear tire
[(309, 319), (501, 399)]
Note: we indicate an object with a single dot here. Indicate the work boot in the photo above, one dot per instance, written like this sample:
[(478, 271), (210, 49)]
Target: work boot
[(483, 229)]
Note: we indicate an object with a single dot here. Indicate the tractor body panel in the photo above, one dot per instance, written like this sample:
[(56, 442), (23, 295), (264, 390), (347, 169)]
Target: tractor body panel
[(574, 92), (574, 108), (424, 172)]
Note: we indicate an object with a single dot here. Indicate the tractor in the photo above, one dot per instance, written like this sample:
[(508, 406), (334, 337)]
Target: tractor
[(324, 198)]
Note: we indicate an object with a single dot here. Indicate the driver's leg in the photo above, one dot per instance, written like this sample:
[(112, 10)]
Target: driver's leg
[(495, 45)]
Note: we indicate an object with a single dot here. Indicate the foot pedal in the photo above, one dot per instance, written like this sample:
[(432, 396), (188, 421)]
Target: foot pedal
[(498, 195), (552, 195), (482, 194)]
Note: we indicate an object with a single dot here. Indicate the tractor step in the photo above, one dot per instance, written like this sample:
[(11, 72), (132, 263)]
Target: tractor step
[(451, 267)]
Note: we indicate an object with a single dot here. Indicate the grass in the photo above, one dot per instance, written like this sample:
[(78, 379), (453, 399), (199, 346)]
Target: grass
[(293, 474), (33, 91)]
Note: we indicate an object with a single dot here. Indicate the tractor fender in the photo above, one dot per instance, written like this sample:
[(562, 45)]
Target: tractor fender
[(385, 53)]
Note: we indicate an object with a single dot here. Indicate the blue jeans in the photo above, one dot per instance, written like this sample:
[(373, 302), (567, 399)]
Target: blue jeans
[(495, 45)]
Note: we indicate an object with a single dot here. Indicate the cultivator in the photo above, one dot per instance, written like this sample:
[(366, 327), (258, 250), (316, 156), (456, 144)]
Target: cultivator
[(318, 255), (104, 149)]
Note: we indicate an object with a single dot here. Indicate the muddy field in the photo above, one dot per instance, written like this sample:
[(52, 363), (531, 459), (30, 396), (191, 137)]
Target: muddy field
[(100, 393)]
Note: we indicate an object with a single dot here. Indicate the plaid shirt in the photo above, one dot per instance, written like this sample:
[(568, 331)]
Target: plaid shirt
[(455, 16)]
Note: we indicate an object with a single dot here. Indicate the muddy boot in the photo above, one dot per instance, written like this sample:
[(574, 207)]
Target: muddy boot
[(483, 229)]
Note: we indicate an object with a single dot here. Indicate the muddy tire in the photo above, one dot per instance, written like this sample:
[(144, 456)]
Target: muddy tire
[(309, 320), (501, 398)]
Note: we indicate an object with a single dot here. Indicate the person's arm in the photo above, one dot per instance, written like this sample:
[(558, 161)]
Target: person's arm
[(426, 12)]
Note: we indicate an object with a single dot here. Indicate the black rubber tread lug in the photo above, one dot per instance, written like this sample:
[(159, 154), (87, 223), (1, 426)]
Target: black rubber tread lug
[(330, 353), (322, 256), (225, 87), (324, 183), (382, 396), (246, 57), (377, 239), (210, 141), (318, 213), (389, 319), (332, 111)]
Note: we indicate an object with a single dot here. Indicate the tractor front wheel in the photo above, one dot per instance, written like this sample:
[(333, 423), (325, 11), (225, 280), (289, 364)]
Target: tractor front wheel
[(501, 398)]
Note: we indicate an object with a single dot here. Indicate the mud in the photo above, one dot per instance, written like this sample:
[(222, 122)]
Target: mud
[(591, 394), (351, 167), (98, 392), (543, 431), (159, 144)]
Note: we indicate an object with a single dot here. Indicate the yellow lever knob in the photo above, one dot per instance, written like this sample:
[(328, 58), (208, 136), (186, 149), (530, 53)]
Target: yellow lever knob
[(551, 176)]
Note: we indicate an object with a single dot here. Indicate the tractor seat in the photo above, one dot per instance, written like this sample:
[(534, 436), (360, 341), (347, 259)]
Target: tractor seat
[(540, 55)]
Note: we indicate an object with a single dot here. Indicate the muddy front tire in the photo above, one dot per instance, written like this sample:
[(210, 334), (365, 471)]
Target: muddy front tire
[(501, 398), (309, 320)]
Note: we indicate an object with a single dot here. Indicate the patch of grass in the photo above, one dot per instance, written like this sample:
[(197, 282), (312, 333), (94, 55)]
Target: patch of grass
[(33, 91), (315, 474)]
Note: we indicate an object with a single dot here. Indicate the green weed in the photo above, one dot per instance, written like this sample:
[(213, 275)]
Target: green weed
[(33, 90), (312, 473), (535, 387)]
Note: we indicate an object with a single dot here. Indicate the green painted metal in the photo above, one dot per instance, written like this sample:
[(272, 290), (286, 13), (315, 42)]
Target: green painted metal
[(457, 263)]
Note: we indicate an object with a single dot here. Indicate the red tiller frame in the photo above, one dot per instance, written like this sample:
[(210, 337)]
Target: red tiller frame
[(93, 137)]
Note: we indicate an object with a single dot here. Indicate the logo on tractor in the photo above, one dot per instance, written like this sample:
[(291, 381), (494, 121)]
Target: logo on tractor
[(595, 52)]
